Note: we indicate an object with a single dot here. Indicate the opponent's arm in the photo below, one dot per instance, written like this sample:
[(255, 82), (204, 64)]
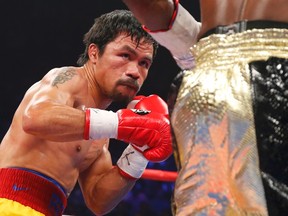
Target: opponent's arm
[(169, 24), (155, 14)]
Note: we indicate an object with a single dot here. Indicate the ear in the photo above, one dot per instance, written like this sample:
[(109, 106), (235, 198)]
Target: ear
[(93, 52)]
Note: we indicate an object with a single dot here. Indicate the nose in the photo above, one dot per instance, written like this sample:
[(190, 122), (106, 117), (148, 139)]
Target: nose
[(133, 71)]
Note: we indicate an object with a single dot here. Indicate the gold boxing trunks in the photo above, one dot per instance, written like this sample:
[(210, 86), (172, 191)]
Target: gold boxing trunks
[(214, 125), (25, 192)]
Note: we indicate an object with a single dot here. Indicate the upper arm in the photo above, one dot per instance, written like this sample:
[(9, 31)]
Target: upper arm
[(50, 103)]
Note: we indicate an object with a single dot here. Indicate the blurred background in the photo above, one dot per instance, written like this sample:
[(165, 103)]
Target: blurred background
[(38, 35)]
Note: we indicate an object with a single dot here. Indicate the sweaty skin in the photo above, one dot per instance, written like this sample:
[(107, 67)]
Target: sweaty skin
[(46, 133)]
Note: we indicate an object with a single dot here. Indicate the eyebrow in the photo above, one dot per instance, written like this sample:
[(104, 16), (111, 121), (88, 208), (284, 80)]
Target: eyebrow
[(129, 49)]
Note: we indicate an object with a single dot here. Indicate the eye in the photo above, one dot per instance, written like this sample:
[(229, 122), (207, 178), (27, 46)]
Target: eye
[(125, 55), (145, 64)]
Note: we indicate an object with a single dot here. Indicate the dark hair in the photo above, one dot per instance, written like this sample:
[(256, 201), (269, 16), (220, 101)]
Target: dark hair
[(108, 26)]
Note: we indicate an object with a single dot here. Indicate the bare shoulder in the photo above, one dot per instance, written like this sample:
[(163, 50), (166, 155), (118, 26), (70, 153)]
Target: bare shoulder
[(66, 79), (60, 76), (63, 85)]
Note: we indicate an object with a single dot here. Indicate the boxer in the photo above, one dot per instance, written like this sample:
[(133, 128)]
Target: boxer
[(60, 132), (229, 115)]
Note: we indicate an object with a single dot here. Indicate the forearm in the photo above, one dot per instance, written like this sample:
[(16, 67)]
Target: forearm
[(110, 189), (180, 37), (171, 25), (54, 122), (154, 14)]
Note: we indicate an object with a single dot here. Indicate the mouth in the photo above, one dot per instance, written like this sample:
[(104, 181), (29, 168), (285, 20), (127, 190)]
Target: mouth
[(130, 84), (133, 87)]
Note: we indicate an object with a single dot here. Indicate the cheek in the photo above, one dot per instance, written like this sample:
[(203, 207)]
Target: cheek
[(106, 81), (110, 81), (143, 76)]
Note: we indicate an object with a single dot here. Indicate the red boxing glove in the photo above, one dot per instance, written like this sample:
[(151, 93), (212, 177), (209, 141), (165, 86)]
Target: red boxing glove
[(150, 129), (152, 102), (156, 104), (142, 127), (134, 159), (138, 126)]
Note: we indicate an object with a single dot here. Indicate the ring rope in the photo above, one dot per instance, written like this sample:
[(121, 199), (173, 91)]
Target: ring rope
[(159, 175)]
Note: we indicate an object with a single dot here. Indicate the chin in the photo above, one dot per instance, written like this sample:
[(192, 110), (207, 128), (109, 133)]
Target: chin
[(123, 98), (123, 95)]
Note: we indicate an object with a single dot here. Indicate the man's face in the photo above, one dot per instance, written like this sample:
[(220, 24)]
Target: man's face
[(123, 67)]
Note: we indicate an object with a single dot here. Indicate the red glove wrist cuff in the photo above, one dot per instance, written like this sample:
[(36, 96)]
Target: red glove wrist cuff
[(87, 124), (176, 3), (126, 175)]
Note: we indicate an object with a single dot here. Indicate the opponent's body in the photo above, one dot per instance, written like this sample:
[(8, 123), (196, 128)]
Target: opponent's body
[(60, 132), (231, 105), (215, 13)]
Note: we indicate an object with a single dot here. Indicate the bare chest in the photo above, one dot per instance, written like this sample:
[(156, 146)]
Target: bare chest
[(88, 155)]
